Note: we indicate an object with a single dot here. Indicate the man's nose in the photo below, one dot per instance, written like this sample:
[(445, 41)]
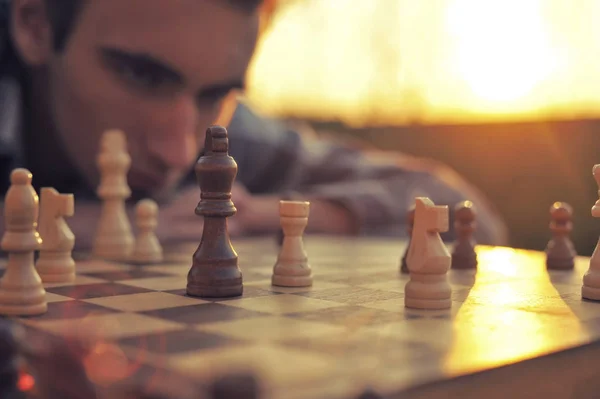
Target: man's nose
[(174, 140)]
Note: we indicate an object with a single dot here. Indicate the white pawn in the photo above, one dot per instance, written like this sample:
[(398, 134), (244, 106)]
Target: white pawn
[(147, 247), (114, 239), (292, 268), (428, 258), (55, 263), (21, 289), (591, 279)]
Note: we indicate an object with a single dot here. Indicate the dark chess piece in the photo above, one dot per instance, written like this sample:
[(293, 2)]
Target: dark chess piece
[(560, 252), (410, 222), (215, 272), (9, 362), (463, 252), (235, 386), (57, 366), (369, 394)]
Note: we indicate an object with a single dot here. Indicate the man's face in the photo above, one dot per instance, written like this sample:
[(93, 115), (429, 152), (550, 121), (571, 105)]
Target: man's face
[(157, 69)]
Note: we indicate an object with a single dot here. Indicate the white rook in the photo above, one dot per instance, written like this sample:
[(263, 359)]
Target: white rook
[(292, 268)]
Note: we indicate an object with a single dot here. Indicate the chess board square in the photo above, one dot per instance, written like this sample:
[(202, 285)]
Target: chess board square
[(356, 278), (279, 304), (177, 341), (202, 313), (393, 285), (144, 301), (271, 328), (351, 295), (109, 326), (318, 284), (99, 265), (249, 292), (50, 297), (396, 306), (88, 291), (127, 274), (72, 309), (168, 283), (251, 276), (175, 269), (273, 365), (79, 280), (352, 316), (365, 347)]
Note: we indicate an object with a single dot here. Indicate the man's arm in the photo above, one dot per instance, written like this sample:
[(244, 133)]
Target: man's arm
[(351, 191)]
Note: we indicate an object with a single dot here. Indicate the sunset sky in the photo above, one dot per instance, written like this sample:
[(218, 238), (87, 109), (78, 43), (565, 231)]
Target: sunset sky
[(435, 61)]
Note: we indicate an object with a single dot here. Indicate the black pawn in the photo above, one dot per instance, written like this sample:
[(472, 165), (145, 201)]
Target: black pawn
[(235, 386), (463, 253), (560, 252), (369, 394), (215, 272), (410, 222), (9, 358)]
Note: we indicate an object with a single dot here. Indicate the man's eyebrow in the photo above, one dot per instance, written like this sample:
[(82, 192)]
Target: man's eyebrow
[(141, 60), (222, 88)]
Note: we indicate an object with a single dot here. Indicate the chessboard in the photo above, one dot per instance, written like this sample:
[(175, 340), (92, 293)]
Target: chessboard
[(347, 333)]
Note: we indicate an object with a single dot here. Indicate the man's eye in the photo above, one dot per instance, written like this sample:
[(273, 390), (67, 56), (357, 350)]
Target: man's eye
[(142, 76), (213, 96)]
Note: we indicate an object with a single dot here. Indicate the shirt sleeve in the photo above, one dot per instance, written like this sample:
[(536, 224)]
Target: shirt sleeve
[(377, 187)]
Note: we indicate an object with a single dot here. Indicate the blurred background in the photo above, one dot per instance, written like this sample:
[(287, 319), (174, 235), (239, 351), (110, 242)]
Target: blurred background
[(505, 92)]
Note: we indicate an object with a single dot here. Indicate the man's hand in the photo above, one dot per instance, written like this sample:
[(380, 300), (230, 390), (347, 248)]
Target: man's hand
[(260, 215), (178, 221)]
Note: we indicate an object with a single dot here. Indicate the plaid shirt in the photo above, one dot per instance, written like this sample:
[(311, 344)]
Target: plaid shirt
[(274, 158)]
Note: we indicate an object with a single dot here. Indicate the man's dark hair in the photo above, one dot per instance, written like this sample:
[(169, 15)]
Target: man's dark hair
[(63, 14)]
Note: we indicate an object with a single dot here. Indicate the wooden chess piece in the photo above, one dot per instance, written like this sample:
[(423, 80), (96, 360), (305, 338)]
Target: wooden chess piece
[(428, 259), (235, 386), (591, 279), (55, 263), (464, 255), (369, 393), (410, 221), (287, 196), (114, 238), (21, 289), (560, 251), (292, 268), (215, 272), (147, 247)]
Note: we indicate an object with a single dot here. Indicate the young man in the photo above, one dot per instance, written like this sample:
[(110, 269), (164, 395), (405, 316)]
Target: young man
[(163, 71)]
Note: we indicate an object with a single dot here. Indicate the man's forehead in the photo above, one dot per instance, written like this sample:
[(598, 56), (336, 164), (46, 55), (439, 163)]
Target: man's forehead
[(193, 36)]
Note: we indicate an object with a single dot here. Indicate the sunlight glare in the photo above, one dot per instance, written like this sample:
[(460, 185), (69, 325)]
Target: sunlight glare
[(382, 62), (502, 48)]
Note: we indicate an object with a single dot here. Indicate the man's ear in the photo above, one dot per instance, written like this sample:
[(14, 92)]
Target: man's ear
[(30, 31)]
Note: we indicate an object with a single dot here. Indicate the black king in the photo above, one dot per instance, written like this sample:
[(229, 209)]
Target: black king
[(215, 272)]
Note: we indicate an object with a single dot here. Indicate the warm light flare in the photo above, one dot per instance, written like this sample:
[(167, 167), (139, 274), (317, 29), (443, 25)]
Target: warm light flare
[(106, 364), (404, 61), (502, 49), (26, 382), (507, 318)]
